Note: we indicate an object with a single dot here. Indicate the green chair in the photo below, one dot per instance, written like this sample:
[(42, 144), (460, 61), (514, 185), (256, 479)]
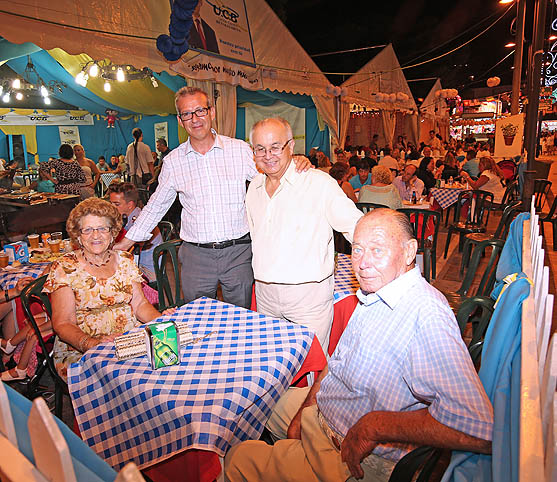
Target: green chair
[(501, 232), (487, 281), (541, 189), (32, 293), (476, 219), (167, 230), (477, 312), (428, 247), (162, 254), (367, 207)]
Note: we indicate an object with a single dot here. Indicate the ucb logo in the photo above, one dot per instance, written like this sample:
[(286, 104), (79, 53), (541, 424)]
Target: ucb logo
[(225, 12)]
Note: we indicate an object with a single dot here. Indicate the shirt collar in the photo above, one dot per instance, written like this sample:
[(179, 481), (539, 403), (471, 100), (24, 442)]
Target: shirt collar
[(289, 176), (391, 293), (216, 145)]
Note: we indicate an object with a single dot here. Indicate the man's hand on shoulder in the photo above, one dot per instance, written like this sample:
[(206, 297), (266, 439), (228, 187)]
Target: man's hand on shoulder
[(357, 445), (302, 163)]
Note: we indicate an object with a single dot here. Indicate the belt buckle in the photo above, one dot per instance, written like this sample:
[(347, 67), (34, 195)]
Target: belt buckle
[(216, 245)]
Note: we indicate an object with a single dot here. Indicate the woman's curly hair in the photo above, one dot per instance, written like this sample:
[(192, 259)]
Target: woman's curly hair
[(95, 207)]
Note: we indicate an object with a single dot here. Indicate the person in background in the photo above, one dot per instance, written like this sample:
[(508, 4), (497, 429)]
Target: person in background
[(90, 169), (389, 386), (340, 172), (44, 184), (382, 190), (389, 161), (408, 182), (451, 167), (113, 164), (163, 148), (96, 290), (121, 166), (363, 177), (139, 159), (400, 144), (428, 174), (323, 162), (491, 179), (434, 143), (471, 165), (69, 176), (287, 209), (125, 197), (102, 165), (374, 144)]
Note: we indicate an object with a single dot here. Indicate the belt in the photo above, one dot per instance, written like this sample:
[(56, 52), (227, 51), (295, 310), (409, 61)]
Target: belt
[(245, 239), (335, 438)]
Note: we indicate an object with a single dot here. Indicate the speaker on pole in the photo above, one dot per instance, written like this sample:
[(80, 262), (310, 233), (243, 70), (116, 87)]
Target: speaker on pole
[(17, 150)]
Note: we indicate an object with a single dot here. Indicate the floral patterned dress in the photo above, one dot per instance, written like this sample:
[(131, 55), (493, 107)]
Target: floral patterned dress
[(70, 176), (102, 306)]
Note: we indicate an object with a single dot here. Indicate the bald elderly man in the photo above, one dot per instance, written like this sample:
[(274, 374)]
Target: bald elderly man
[(291, 217), (400, 377)]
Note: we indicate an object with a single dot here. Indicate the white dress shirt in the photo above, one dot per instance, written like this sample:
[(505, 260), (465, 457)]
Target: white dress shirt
[(405, 191), (211, 188), (292, 231)]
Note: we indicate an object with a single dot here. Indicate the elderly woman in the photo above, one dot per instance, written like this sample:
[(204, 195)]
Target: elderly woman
[(382, 190), (96, 291), (491, 179), (68, 175), (341, 173), (90, 169)]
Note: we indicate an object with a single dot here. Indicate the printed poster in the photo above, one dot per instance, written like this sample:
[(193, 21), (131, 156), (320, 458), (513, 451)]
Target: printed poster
[(69, 135), (509, 132)]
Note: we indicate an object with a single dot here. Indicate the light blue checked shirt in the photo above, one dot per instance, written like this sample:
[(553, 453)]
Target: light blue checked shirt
[(402, 351)]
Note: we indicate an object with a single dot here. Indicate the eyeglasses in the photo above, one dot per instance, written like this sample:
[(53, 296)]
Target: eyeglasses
[(199, 112), (261, 151), (89, 231)]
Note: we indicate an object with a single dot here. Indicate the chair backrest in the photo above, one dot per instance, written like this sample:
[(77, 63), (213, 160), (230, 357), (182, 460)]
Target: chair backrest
[(509, 169), (477, 311), (541, 188), (162, 254), (32, 293), (511, 193), (167, 230), (506, 218), (421, 220), (488, 278), (478, 203), (367, 207)]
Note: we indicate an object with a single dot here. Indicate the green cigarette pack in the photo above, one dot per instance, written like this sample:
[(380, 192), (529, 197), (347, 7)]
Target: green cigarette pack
[(163, 344)]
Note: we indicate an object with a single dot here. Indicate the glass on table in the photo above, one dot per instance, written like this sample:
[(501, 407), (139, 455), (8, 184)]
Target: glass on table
[(56, 235), (4, 259), (54, 245), (33, 240)]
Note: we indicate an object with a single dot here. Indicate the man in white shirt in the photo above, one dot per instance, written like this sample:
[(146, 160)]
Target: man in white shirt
[(291, 217), (388, 160), (409, 182), (434, 143)]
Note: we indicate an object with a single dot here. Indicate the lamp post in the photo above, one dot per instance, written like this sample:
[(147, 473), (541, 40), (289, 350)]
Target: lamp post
[(519, 41)]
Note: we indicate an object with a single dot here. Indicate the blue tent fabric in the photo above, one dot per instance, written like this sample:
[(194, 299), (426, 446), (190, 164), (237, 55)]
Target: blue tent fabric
[(314, 137), (10, 51), (511, 256), (87, 465), (500, 376)]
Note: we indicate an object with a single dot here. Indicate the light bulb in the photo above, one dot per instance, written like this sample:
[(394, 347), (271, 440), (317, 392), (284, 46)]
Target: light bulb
[(79, 77), (107, 86), (19, 96), (6, 97), (120, 76), (94, 70), (44, 91), (154, 82), (16, 84), (1, 89), (47, 100)]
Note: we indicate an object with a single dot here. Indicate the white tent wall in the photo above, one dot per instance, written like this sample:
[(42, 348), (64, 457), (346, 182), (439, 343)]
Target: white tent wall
[(380, 74), (125, 31), (434, 114)]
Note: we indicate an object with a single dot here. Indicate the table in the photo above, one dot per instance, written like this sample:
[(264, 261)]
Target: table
[(221, 393), (446, 196), (10, 276)]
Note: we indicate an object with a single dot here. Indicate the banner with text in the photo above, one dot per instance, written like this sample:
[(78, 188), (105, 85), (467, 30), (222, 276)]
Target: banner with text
[(222, 30), (69, 135), (45, 119), (295, 116)]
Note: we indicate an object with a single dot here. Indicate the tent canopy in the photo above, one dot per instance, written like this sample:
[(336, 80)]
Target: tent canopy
[(380, 74), (434, 105)]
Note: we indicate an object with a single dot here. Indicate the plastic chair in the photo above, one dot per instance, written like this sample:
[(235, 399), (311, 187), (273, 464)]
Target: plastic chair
[(420, 219), (511, 195), (161, 255), (550, 217), (476, 311), (472, 239), (167, 230), (32, 293), (367, 207), (487, 280), (477, 216), (418, 465), (541, 188)]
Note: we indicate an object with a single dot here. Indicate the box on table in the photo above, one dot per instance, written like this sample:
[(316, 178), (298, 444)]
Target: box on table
[(163, 344), (17, 251)]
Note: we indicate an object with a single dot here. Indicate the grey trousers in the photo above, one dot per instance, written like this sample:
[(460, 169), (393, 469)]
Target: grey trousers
[(204, 268)]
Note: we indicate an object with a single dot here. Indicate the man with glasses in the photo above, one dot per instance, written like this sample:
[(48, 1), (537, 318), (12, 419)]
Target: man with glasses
[(291, 217), (209, 173)]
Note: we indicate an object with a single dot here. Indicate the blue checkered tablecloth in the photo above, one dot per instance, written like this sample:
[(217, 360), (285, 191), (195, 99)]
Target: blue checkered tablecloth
[(221, 393), (444, 196), (10, 276), (345, 280)]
